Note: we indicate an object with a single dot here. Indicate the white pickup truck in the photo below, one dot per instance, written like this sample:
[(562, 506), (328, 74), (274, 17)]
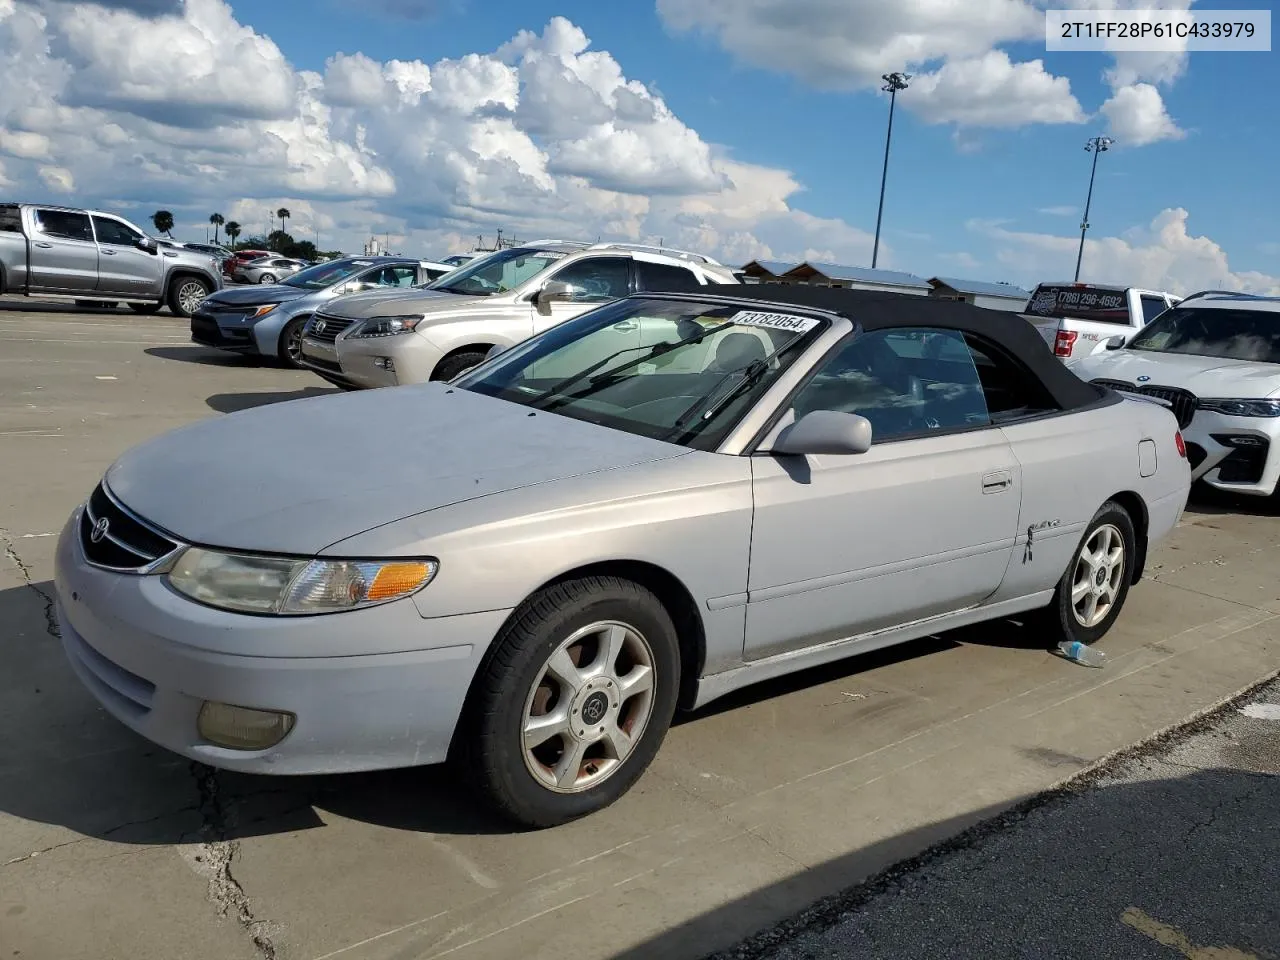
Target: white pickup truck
[(1077, 319)]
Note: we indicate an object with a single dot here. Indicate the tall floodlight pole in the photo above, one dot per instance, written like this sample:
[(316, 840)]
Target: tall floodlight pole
[(1095, 146), (893, 82)]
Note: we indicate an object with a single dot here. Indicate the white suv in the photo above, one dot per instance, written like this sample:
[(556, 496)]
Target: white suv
[(1215, 359), (437, 331)]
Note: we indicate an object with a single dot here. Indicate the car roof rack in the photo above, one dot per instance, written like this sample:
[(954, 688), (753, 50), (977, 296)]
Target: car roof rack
[(667, 251), (570, 243)]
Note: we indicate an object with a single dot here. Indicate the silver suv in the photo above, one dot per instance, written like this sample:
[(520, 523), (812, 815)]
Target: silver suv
[(435, 333), (94, 257)]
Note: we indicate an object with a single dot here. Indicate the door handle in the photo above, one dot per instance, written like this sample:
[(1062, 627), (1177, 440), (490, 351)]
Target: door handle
[(995, 482), (42, 243), (107, 253), (625, 325)]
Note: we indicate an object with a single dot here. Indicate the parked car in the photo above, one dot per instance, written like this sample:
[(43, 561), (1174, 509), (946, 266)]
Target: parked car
[(498, 300), (526, 570), (1215, 358), (267, 269), (88, 256), (240, 258), (267, 321), (1077, 318)]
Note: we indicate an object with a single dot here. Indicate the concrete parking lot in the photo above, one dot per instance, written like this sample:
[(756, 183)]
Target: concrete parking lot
[(755, 806)]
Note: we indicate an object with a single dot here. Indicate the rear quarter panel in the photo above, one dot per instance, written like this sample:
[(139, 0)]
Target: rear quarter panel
[(1070, 466)]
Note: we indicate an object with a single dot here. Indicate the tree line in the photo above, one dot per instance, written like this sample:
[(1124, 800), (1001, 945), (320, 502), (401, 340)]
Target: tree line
[(277, 240)]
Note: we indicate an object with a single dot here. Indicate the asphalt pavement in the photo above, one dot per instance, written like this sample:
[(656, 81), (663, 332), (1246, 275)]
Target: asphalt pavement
[(1170, 850)]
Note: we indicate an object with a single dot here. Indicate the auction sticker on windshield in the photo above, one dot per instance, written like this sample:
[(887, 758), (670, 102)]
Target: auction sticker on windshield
[(776, 321)]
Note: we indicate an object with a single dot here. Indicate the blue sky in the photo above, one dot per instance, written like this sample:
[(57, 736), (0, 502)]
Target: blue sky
[(1026, 180)]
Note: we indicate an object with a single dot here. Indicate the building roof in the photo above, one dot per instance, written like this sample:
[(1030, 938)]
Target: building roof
[(775, 267), (838, 271), (982, 288), (879, 309)]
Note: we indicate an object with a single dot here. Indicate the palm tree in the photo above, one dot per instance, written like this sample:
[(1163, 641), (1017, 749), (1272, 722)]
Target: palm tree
[(163, 221), (217, 221), (284, 214), (233, 231)]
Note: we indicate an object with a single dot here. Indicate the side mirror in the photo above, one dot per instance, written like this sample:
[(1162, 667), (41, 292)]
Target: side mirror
[(824, 431), (1114, 343), (496, 349), (147, 245), (553, 291)]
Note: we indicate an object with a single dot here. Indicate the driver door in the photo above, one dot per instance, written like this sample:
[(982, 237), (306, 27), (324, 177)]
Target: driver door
[(921, 525), (594, 281)]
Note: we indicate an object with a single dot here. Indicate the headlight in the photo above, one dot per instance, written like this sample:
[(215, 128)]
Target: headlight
[(262, 311), (1242, 408), (384, 327), (293, 587)]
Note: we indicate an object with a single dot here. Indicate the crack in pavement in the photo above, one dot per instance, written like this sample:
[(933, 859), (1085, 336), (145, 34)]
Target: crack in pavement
[(216, 853), (50, 618), (104, 835)]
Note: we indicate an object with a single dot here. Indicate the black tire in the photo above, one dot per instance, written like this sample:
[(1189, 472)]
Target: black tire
[(1060, 620), (457, 364), (289, 347), (489, 746), (185, 294), (146, 308)]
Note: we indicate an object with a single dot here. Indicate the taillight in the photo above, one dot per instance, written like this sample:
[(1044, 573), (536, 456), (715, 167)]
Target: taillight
[(1180, 444), (1064, 342)]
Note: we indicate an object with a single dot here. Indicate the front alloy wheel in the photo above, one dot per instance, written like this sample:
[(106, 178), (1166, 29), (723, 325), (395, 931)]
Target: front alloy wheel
[(589, 706), (571, 702)]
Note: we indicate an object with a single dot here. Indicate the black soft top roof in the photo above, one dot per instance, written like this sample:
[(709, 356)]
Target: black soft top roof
[(876, 310)]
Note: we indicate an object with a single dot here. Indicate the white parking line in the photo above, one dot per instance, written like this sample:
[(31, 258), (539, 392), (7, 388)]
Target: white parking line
[(1262, 711)]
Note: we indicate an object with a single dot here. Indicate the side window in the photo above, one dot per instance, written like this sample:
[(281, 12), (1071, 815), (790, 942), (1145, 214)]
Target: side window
[(64, 224), (886, 376), (1152, 307), (114, 232), (403, 275), (596, 279), (665, 277), (1010, 390)]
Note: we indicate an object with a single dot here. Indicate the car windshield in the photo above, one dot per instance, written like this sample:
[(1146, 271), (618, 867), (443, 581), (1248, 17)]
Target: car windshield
[(324, 275), (1213, 332), (499, 272), (677, 370)]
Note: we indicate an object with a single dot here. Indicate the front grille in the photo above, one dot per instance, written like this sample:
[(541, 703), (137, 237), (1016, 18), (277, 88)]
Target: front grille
[(1183, 401), (325, 328), (124, 542)]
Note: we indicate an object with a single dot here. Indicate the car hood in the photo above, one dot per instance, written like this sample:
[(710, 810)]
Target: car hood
[(382, 303), (246, 296), (1203, 376), (299, 476)]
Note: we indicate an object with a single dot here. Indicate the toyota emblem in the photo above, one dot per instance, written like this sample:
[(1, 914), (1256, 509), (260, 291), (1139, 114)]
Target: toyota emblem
[(99, 530)]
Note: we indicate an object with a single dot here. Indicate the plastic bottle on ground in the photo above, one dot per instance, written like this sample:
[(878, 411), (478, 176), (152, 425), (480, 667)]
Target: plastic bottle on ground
[(1082, 653)]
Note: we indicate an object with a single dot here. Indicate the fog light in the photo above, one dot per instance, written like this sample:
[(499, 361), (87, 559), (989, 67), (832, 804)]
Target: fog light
[(385, 363), (243, 728)]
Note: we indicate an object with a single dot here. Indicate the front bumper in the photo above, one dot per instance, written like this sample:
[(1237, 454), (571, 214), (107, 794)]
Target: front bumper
[(236, 336), (1234, 454), (364, 699), (413, 359), (322, 358)]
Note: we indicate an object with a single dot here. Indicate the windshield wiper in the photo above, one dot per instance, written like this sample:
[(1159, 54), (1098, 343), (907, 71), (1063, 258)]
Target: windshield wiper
[(718, 397), (602, 379)]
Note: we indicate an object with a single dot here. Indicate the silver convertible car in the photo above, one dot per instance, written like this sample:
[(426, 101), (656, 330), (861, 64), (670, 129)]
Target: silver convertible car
[(526, 570)]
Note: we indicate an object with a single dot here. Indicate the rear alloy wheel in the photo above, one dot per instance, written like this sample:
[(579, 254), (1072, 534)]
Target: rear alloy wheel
[(290, 348), (266, 278), (1092, 591), (572, 702), (457, 364), (186, 294)]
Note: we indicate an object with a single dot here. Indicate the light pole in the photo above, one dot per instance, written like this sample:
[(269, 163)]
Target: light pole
[(1096, 145), (893, 82)]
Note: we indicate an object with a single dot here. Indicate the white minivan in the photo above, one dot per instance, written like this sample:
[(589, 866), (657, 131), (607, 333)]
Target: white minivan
[(1077, 319)]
